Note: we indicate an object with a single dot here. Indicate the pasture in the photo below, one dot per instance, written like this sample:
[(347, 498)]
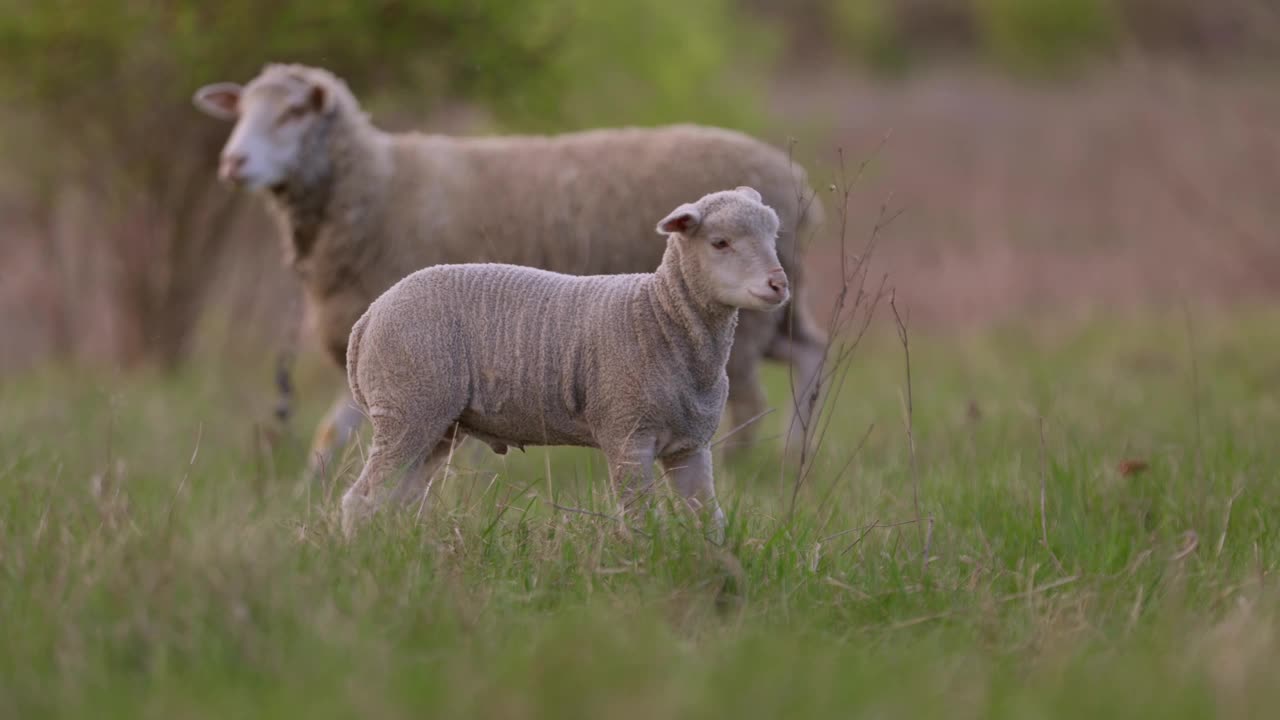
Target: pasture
[(1086, 527)]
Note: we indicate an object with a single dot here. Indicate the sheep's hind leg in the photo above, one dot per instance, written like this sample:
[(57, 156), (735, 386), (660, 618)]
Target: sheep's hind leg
[(746, 401), (339, 426), (691, 475), (806, 358)]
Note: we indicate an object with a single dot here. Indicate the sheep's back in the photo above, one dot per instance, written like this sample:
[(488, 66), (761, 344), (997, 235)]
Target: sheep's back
[(583, 203)]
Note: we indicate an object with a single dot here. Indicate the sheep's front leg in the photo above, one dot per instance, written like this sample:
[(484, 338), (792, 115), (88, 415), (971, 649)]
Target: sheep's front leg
[(339, 425), (631, 471), (746, 400), (690, 474)]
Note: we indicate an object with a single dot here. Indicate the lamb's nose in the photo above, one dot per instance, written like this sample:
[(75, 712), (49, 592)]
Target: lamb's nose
[(231, 165), (777, 280)]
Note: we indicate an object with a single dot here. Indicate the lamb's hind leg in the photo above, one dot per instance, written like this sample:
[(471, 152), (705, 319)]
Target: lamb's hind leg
[(690, 474), (415, 486)]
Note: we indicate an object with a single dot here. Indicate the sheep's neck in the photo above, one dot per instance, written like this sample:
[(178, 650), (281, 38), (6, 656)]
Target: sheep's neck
[(695, 321), (337, 175)]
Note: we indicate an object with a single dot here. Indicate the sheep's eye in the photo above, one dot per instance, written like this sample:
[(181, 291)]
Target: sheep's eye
[(293, 113), (720, 243)]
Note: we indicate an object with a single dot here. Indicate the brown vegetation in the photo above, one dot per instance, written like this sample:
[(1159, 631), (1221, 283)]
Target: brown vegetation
[(1146, 185)]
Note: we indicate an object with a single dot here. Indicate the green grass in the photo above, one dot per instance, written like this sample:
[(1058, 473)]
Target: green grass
[(153, 564)]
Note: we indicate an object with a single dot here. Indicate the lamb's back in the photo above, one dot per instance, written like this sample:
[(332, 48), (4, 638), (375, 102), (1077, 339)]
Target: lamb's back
[(532, 344)]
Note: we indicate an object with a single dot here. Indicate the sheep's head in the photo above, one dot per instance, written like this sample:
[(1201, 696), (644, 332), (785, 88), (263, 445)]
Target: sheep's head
[(274, 115), (731, 237)]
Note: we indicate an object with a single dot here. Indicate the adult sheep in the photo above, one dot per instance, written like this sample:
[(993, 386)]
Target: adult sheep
[(631, 364), (359, 209)]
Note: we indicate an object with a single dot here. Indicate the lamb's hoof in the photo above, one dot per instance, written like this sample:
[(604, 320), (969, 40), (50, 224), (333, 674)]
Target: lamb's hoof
[(356, 509), (715, 533)]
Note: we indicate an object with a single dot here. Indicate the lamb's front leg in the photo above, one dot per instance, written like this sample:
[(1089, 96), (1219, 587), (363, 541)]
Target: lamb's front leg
[(631, 471), (690, 474)]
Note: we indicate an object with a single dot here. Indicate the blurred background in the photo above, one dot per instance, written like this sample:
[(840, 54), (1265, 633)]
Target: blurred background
[(1052, 158)]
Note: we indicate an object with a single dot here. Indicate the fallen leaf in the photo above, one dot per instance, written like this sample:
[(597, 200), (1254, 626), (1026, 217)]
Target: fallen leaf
[(1129, 468)]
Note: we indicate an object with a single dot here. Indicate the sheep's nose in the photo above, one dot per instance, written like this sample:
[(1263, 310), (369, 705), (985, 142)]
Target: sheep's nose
[(778, 280), (231, 165)]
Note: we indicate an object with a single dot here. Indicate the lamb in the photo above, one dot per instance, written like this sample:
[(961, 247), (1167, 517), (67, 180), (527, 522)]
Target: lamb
[(359, 209), (634, 364)]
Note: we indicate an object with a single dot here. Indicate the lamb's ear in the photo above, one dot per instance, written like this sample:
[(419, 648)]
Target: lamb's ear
[(750, 192), (684, 219), (219, 100)]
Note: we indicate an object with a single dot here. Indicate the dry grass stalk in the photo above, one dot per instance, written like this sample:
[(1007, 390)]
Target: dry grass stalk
[(852, 311)]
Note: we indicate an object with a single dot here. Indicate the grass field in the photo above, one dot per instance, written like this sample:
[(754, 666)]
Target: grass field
[(154, 564)]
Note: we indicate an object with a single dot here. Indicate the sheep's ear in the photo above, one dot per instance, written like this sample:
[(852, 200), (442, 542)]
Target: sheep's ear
[(319, 99), (750, 192), (219, 100), (683, 219)]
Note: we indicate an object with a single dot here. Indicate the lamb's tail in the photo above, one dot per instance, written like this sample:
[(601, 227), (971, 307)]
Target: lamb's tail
[(353, 357)]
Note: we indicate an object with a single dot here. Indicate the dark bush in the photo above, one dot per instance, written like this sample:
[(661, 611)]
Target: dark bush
[(106, 84)]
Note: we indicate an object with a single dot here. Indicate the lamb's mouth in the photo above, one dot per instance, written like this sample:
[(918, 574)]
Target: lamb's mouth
[(771, 299)]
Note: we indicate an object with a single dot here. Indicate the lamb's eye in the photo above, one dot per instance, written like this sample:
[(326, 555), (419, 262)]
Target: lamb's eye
[(720, 243)]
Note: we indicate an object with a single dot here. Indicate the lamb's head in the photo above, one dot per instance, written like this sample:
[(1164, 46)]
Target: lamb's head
[(730, 238), (277, 118)]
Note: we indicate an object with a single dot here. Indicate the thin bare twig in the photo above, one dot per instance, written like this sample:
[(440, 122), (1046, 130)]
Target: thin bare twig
[(866, 530), (874, 524), (741, 427), (908, 409), (851, 301), (804, 206)]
